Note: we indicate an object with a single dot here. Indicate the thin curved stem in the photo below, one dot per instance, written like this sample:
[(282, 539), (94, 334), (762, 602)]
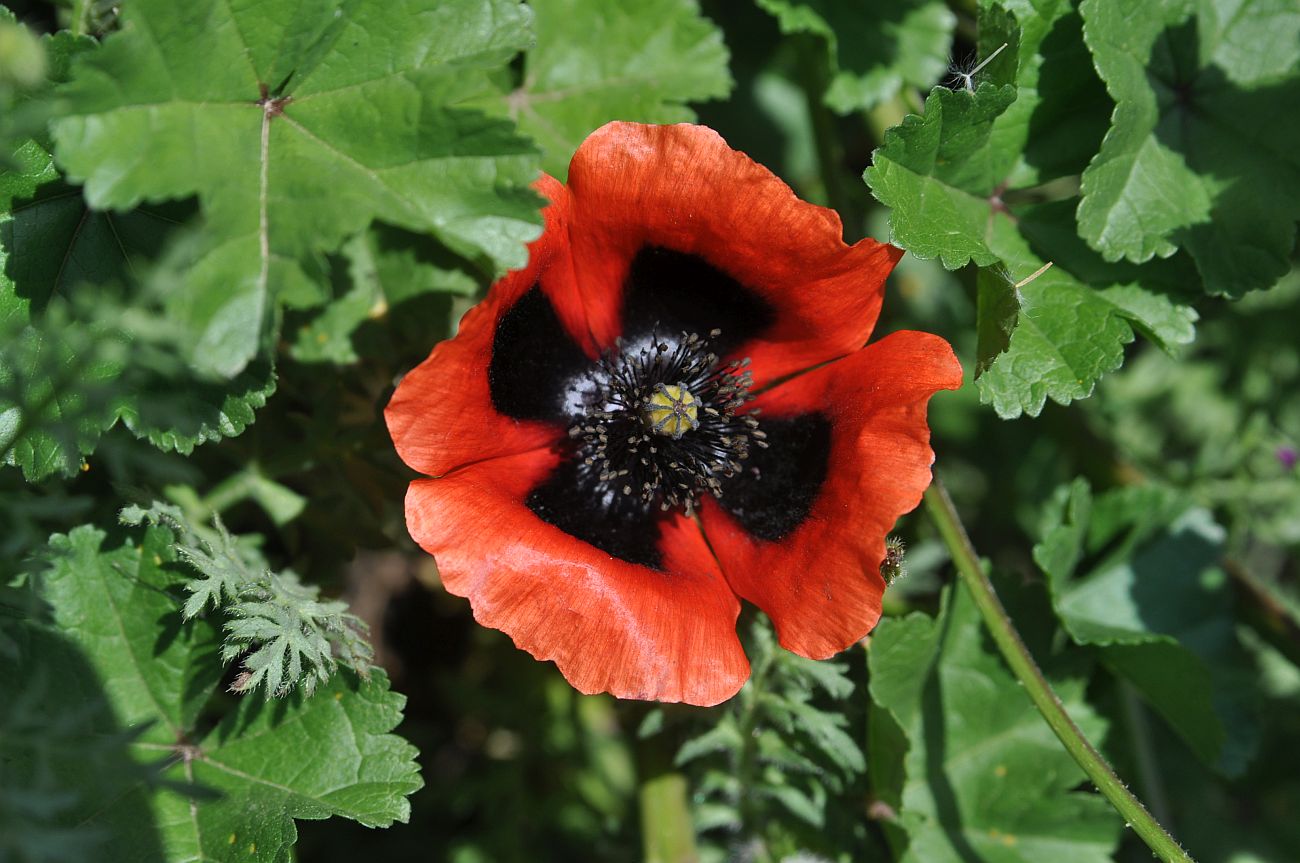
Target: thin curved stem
[(1040, 691)]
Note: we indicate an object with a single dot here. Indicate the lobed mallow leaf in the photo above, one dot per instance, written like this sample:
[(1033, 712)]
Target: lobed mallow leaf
[(1201, 149), (296, 125), (985, 778), (61, 752), (1156, 607), (874, 50), (947, 176), (998, 307), (58, 393), (596, 62), (377, 271), (1061, 110), (937, 174), (73, 362)]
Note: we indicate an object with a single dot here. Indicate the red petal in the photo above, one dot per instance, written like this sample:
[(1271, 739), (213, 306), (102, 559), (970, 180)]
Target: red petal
[(821, 584), (681, 187), (442, 416), (610, 626)]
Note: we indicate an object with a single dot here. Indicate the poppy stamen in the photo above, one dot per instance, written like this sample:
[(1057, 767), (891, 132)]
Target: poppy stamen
[(662, 423)]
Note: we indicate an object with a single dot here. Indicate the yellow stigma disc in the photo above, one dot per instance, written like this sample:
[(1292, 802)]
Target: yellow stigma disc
[(672, 410)]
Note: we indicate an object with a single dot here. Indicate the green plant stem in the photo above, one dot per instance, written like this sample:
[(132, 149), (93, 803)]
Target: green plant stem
[(81, 17), (745, 767), (814, 76), (1022, 664), (667, 832)]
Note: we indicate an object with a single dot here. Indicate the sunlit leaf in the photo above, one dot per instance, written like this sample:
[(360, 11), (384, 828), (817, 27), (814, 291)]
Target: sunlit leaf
[(241, 783), (298, 124), (942, 176), (596, 62), (1198, 90), (985, 777), (875, 49)]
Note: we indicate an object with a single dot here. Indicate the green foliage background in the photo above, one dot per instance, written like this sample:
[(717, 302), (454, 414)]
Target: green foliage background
[(226, 229)]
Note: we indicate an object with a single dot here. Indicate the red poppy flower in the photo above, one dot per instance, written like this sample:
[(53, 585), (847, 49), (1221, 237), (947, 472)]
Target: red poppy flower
[(669, 408)]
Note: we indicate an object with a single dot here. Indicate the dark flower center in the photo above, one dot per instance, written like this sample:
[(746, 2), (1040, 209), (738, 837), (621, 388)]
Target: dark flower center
[(661, 423)]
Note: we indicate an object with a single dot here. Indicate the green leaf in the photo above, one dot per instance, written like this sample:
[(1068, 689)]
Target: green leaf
[(22, 57), (825, 731), (242, 782), (179, 412), (875, 50), (55, 382), (1157, 608), (109, 603), (801, 805), (384, 268), (1217, 422), (1061, 110), (786, 752), (596, 62), (51, 242), (64, 382), (30, 514), (998, 306), (941, 175), (985, 777), (1066, 335), (58, 391), (1200, 153), (296, 125), (722, 737), (61, 753), (937, 173), (68, 373), (29, 66)]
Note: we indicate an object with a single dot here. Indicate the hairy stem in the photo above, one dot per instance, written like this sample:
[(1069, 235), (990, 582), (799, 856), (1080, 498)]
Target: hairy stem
[(81, 17), (1022, 664)]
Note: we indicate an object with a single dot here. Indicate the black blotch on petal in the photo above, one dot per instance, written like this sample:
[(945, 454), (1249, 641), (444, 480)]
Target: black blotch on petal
[(777, 487), (534, 360), (566, 501), (685, 293)]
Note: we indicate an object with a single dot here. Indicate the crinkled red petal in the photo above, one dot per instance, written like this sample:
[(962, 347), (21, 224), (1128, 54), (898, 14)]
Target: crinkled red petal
[(821, 584), (610, 626), (442, 416), (682, 188)]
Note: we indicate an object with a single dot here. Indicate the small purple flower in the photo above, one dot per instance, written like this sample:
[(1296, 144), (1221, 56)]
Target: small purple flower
[(1288, 456)]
